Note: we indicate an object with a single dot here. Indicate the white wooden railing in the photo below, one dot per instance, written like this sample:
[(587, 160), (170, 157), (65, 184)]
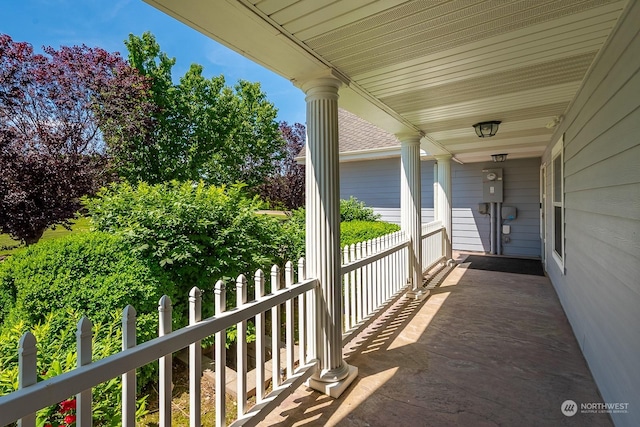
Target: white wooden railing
[(32, 396), (373, 272), (433, 244)]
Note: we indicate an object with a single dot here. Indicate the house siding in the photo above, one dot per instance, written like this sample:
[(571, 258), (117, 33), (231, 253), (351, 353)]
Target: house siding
[(377, 184), (600, 285)]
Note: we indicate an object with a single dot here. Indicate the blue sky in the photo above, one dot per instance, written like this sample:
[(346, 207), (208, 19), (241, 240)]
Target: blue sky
[(107, 23)]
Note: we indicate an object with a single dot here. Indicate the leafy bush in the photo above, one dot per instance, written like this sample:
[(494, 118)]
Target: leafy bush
[(90, 273), (48, 286), (354, 210), (197, 233), (360, 231), (293, 231), (56, 356), (350, 232)]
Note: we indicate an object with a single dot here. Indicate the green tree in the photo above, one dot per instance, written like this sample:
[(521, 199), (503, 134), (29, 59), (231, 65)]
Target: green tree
[(201, 129)]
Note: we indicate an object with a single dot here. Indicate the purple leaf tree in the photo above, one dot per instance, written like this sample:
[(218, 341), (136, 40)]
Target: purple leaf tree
[(52, 150)]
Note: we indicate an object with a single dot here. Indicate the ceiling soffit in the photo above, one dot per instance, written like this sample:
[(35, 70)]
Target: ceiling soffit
[(433, 66), (446, 65)]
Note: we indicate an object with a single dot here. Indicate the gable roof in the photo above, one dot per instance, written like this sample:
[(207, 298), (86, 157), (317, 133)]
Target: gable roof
[(360, 140), (357, 134)]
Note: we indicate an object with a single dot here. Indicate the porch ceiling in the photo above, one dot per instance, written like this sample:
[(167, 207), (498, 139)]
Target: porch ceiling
[(431, 66)]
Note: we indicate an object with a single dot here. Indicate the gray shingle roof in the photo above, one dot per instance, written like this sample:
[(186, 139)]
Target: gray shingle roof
[(356, 134)]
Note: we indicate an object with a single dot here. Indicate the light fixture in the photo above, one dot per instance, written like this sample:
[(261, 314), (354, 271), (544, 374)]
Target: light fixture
[(499, 157), (486, 129)]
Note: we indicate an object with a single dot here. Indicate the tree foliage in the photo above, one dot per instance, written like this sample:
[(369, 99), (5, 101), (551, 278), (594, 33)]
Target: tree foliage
[(197, 233), (52, 107), (201, 129), (285, 187)]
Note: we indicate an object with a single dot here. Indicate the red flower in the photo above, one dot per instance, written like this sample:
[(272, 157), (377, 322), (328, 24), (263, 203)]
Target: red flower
[(67, 406), (70, 419), (48, 425)]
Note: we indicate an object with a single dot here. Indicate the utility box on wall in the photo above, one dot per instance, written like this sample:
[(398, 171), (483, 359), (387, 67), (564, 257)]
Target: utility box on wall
[(492, 185)]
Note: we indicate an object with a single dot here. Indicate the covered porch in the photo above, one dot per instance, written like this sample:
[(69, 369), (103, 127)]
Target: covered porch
[(484, 348), (487, 348)]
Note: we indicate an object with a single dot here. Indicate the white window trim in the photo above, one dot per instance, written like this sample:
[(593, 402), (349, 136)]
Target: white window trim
[(558, 150)]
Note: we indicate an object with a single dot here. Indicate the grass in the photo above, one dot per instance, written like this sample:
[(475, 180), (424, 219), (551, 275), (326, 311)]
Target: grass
[(8, 245)]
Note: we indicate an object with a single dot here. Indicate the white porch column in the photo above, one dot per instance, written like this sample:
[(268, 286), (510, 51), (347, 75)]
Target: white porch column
[(323, 253), (444, 198), (410, 208)]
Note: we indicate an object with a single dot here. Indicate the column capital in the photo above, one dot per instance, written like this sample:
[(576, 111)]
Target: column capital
[(439, 157), (328, 81), (409, 138)]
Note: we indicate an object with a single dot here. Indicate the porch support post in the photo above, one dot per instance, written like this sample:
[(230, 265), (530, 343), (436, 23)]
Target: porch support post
[(410, 209), (444, 199), (323, 253)]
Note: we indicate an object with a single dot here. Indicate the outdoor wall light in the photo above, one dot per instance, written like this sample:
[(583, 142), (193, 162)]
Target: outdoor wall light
[(485, 129), (499, 157)]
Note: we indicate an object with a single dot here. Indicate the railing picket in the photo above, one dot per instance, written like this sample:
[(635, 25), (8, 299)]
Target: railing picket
[(360, 289), (260, 339), (195, 359), (241, 350), (165, 376), (384, 266), (275, 330), (378, 274), (27, 371), (369, 251), (354, 302), (345, 292), (302, 305), (290, 346), (84, 337), (129, 378), (220, 356), (21, 405), (374, 271)]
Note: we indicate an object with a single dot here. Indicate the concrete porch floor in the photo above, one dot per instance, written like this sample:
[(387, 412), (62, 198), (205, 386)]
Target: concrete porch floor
[(485, 349)]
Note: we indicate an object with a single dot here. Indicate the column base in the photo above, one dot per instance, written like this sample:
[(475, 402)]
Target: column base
[(418, 294), (335, 388)]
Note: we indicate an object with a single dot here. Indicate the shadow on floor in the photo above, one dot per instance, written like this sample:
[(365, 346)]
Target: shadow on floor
[(485, 349)]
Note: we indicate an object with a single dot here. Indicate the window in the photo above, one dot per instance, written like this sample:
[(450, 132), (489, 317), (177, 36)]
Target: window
[(557, 228)]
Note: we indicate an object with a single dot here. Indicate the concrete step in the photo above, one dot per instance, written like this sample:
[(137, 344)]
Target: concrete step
[(231, 376)]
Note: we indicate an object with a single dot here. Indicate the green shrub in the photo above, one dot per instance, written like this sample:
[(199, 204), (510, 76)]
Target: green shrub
[(360, 231), (56, 356), (94, 274), (357, 223), (197, 233), (293, 231), (350, 232), (50, 285), (354, 210)]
